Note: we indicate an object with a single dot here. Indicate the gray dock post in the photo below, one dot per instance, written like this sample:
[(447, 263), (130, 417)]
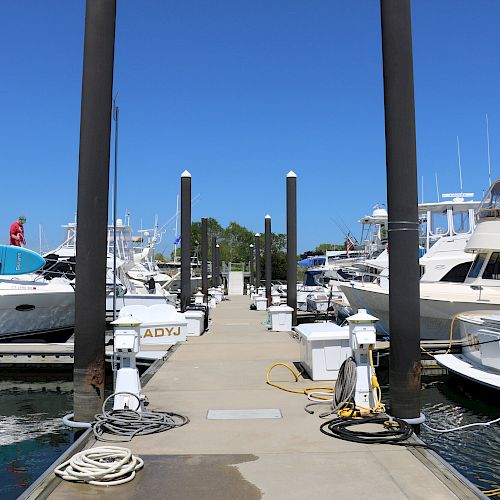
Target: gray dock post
[(214, 263), (185, 239), (267, 251), (402, 197), (251, 265), (291, 244), (204, 258), (92, 219), (217, 260), (257, 260)]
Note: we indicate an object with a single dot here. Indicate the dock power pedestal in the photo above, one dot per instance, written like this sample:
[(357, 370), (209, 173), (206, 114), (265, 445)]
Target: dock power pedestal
[(127, 342)]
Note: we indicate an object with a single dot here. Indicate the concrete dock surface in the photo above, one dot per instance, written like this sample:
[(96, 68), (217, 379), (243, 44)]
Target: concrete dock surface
[(284, 458)]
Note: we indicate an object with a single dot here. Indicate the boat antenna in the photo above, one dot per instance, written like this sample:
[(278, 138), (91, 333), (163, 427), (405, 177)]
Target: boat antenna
[(115, 204), (115, 190), (437, 185), (488, 143), (459, 165)]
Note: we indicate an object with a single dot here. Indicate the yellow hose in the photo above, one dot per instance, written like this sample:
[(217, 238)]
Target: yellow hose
[(379, 406), (306, 391), (491, 493)]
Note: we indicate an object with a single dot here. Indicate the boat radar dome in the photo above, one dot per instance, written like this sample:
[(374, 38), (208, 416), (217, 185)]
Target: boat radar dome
[(119, 222), (379, 211)]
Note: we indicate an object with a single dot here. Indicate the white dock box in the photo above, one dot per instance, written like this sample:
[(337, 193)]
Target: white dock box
[(323, 348), (261, 303), (161, 323), (280, 318), (195, 322)]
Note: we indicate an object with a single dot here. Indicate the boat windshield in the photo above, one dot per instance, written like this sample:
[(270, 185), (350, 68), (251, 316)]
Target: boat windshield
[(461, 222), (312, 278), (477, 265), (492, 269), (490, 206)]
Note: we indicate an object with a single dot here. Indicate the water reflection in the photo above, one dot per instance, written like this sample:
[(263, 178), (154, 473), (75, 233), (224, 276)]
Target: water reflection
[(31, 432), (452, 402)]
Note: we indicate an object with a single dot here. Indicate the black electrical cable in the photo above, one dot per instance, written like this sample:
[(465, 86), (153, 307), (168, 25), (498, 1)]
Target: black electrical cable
[(396, 431)]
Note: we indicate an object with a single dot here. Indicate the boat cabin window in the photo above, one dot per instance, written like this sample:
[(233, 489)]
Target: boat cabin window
[(458, 273), (490, 206), (492, 269), (477, 265), (439, 223), (461, 222)]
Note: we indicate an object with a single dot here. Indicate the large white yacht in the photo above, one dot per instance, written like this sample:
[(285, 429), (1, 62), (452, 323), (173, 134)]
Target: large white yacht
[(455, 291), (34, 308), (134, 267)]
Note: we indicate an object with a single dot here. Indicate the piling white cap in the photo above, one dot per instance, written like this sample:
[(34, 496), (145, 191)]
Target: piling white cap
[(217, 246), (291, 174), (267, 216), (257, 234), (251, 245), (185, 174)]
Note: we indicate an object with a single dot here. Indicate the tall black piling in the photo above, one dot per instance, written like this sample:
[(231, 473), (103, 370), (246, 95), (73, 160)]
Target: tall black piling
[(267, 251), (251, 265), (92, 219), (291, 244), (402, 197), (204, 257), (185, 239), (257, 260)]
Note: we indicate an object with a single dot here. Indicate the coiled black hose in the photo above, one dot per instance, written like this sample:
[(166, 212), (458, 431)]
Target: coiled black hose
[(394, 431)]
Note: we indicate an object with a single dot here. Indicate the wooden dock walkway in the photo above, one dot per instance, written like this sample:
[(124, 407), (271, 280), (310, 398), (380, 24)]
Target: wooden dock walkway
[(283, 458)]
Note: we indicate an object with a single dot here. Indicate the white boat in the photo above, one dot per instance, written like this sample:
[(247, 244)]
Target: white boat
[(442, 300), (33, 308), (134, 267), (480, 357)]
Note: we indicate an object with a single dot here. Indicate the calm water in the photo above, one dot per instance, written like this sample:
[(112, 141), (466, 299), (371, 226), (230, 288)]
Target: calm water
[(31, 432), (451, 402), (32, 436)]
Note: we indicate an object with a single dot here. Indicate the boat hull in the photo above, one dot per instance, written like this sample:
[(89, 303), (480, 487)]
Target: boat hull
[(47, 316), (435, 315)]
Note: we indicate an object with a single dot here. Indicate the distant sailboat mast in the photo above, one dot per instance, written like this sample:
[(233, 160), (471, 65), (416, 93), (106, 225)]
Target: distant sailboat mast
[(488, 143), (459, 165), (437, 186)]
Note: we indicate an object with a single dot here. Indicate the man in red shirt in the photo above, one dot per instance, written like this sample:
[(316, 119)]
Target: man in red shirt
[(17, 231)]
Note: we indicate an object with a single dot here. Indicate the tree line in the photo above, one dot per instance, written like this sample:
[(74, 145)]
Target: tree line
[(234, 243)]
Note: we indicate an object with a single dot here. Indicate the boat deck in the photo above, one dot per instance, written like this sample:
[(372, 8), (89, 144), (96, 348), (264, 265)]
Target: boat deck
[(253, 458)]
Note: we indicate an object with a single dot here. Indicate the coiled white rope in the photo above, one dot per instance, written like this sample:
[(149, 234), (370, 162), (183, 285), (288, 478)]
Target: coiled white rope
[(101, 466)]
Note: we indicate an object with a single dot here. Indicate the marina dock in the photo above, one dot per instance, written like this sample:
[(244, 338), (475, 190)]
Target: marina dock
[(250, 456)]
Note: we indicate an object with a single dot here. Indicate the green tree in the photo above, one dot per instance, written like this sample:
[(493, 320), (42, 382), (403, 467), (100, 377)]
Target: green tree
[(159, 256), (235, 243), (323, 247)]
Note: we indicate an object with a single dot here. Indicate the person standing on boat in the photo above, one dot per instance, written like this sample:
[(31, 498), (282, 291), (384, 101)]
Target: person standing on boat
[(151, 285), (17, 232)]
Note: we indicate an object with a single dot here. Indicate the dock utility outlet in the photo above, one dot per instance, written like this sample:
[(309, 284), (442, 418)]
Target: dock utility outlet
[(127, 345), (362, 335)]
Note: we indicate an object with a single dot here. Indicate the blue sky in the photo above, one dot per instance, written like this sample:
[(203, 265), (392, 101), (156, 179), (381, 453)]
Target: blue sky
[(238, 93)]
